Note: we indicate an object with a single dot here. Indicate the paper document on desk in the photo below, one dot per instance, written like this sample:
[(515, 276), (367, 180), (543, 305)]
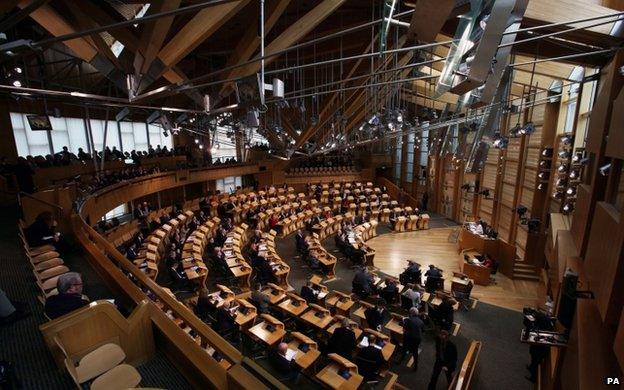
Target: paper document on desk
[(290, 354), (322, 295), (364, 342)]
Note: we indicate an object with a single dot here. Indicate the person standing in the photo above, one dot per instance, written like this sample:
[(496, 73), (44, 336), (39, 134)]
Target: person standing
[(412, 334), (445, 360)]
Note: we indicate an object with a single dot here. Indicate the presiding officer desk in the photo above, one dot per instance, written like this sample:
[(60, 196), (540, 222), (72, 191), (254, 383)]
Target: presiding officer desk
[(472, 244)]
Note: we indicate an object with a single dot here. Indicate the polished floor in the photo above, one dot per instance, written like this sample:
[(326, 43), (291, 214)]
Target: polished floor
[(434, 246)]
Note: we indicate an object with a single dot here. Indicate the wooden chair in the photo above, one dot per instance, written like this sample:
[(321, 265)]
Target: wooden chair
[(94, 363)]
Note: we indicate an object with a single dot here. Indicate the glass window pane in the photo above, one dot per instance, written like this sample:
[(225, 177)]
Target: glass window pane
[(77, 134), (37, 140), (60, 137), (112, 135), (97, 129), (19, 133), (140, 136)]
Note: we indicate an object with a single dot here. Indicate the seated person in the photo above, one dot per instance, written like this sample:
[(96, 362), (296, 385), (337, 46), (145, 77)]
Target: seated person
[(412, 273), (260, 299), (375, 315), (342, 341), (299, 241), (281, 363), (370, 359), (390, 292), (205, 307), (434, 276), (393, 219), (69, 297), (412, 296), (42, 231), (358, 254), (225, 322), (309, 293), (443, 314), (363, 283)]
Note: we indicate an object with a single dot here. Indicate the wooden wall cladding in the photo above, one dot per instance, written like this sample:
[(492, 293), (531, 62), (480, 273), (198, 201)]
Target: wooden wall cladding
[(604, 263), (532, 157), (508, 191), (521, 241), (505, 217), (618, 344), (511, 171)]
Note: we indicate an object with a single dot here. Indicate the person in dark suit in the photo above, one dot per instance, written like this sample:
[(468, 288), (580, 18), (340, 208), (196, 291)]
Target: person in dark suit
[(342, 341), (434, 276), (445, 360), (370, 359), (412, 273), (260, 299), (390, 293), (444, 313), (308, 293), (69, 297), (412, 334), (375, 315), (277, 358), (41, 231), (300, 241), (205, 307), (224, 320), (363, 283)]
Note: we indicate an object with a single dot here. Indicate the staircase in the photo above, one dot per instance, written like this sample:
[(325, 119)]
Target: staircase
[(524, 271)]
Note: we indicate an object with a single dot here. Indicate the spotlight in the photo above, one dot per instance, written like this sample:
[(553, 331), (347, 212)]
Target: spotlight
[(560, 183), (533, 225), (17, 83), (563, 168), (547, 152), (521, 210), (196, 140), (574, 175), (566, 140), (18, 70), (568, 208), (500, 142), (528, 128), (201, 146), (571, 191), (544, 164), (557, 194), (564, 154), (604, 170), (515, 131), (541, 186), (543, 175)]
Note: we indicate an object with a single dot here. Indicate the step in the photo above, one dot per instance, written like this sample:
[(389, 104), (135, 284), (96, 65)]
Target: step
[(524, 266), (524, 271), (526, 277)]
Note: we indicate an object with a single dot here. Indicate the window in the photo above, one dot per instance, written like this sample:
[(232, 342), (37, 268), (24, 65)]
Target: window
[(157, 137), (570, 116), (71, 132), (228, 184), (29, 142), (116, 212), (223, 146)]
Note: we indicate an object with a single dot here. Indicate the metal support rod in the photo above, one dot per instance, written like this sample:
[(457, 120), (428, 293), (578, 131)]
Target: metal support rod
[(512, 43), (262, 52), (368, 75), (589, 53), (542, 26), (104, 141)]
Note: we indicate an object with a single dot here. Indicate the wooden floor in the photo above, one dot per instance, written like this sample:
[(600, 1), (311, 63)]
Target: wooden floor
[(433, 247)]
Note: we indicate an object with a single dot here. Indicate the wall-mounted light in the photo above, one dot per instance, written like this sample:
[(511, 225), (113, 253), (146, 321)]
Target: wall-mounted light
[(571, 191), (568, 208), (563, 168), (604, 170)]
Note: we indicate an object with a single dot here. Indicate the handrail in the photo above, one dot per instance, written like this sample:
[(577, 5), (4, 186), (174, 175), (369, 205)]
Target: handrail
[(22, 193)]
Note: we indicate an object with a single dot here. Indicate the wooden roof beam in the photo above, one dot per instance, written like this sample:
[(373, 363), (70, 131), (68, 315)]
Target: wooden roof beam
[(154, 34), (205, 23)]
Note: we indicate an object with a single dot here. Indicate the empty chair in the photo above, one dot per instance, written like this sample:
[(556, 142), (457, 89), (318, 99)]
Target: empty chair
[(95, 363), (123, 376)]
